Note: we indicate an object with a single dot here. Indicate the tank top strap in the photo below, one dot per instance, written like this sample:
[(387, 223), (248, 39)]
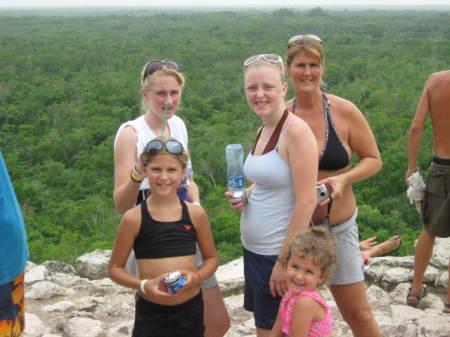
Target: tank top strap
[(145, 214), (273, 141), (185, 217)]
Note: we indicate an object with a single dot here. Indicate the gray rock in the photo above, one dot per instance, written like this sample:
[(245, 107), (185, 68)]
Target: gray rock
[(35, 274), (46, 290), (60, 267), (63, 306), (94, 265), (34, 327), (83, 327)]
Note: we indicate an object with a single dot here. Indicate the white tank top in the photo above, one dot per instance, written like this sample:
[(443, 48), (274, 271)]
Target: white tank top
[(266, 218)]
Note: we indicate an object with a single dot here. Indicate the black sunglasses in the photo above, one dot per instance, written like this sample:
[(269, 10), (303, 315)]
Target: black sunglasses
[(172, 146), (153, 66)]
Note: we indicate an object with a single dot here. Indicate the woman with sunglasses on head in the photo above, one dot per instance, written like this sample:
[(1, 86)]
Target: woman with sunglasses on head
[(162, 85), (163, 231), (340, 130), (283, 168)]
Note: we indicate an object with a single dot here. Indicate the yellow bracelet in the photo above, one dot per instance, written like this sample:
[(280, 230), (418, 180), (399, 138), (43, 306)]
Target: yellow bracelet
[(137, 179)]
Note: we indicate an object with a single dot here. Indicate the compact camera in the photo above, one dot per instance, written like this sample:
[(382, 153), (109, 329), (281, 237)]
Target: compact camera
[(322, 193)]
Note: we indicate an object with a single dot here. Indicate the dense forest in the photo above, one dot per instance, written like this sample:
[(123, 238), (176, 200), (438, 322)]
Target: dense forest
[(68, 82)]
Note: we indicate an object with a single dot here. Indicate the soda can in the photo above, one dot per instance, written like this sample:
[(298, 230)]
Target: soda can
[(175, 281)]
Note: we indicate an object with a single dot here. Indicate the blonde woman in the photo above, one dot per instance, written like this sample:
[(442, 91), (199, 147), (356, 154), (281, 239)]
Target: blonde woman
[(340, 130)]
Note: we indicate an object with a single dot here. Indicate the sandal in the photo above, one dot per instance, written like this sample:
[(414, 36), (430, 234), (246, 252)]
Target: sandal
[(419, 294), (446, 309), (396, 242)]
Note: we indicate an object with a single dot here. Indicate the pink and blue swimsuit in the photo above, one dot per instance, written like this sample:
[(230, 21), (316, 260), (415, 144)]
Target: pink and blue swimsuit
[(320, 328)]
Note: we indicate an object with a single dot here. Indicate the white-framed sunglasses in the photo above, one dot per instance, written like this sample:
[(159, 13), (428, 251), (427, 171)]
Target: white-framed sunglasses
[(297, 38), (271, 58)]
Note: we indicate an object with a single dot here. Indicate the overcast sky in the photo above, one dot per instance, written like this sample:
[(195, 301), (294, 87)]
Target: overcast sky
[(195, 3)]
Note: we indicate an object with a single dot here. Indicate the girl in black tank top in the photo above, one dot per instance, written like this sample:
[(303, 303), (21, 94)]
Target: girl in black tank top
[(163, 231)]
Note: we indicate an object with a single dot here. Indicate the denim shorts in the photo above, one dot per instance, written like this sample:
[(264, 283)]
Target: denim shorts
[(257, 297), (436, 204), (349, 267)]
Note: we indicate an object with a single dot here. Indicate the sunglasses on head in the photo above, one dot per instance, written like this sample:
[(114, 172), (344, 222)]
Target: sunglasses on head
[(271, 58), (297, 38), (153, 66), (172, 146)]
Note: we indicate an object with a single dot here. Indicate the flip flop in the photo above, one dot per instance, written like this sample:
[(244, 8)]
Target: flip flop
[(393, 243), (419, 294)]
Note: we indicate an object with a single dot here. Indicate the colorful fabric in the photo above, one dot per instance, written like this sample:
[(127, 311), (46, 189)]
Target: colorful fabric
[(324, 327), (12, 308), (13, 240)]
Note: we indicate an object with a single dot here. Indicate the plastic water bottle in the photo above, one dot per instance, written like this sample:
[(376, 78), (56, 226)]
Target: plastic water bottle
[(235, 169)]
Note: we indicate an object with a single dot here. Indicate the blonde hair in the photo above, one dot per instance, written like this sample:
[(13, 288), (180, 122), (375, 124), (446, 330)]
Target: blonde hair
[(149, 81), (316, 243), (261, 62), (308, 46), (182, 157)]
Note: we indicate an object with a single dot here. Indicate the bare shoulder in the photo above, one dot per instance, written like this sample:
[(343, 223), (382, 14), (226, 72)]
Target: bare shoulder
[(196, 212), (295, 125), (132, 218), (342, 106), (128, 133), (437, 79), (306, 303)]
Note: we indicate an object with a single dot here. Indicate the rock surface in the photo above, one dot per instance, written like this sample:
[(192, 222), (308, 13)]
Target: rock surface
[(63, 301)]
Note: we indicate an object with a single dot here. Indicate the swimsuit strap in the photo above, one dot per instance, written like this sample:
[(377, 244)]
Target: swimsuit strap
[(145, 214), (273, 141)]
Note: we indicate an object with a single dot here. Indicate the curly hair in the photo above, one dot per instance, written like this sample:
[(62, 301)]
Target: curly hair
[(316, 243)]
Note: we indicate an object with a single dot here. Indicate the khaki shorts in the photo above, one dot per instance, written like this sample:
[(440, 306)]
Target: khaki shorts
[(436, 205)]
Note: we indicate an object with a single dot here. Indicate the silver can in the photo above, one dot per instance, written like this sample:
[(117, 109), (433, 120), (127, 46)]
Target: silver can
[(175, 281)]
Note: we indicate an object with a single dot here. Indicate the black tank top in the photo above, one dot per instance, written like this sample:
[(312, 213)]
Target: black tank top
[(158, 239)]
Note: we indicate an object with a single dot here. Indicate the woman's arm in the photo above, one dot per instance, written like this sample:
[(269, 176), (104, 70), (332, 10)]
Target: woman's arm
[(362, 142), (125, 189), (205, 242), (300, 147), (193, 191), (125, 236)]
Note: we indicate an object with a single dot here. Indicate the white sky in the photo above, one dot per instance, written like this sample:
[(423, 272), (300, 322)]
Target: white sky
[(210, 3)]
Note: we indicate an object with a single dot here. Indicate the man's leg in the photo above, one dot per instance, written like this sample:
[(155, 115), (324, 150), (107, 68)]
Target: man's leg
[(424, 250)]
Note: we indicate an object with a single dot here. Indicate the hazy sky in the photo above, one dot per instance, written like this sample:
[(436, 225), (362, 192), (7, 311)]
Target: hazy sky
[(194, 3)]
